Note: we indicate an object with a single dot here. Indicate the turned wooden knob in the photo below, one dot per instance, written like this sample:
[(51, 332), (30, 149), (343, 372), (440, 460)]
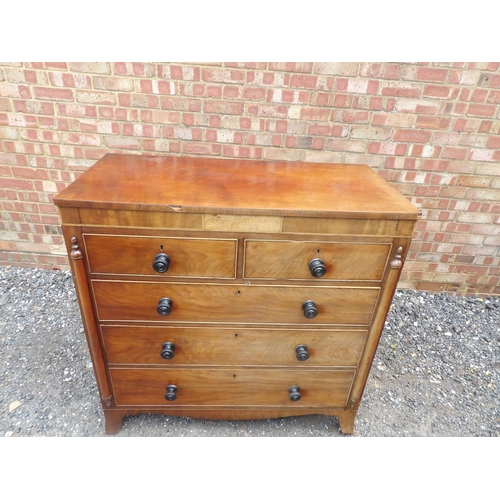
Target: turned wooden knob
[(294, 393), (171, 393), (317, 268), (161, 263), (167, 350), (310, 309), (301, 352), (164, 306)]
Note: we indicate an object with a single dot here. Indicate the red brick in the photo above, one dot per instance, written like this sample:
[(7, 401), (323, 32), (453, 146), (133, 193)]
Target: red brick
[(316, 114), (453, 192), (231, 92), (253, 93), (493, 142), (485, 127), (440, 91), (56, 65), (495, 81), (265, 110), (493, 97), (407, 135), (431, 74), (433, 122), (201, 149), (304, 81), (478, 95), (355, 117), (55, 94), (11, 183), (486, 110), (454, 153), (402, 90)]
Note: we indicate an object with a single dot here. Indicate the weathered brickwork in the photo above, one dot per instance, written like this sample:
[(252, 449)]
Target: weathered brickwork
[(430, 129)]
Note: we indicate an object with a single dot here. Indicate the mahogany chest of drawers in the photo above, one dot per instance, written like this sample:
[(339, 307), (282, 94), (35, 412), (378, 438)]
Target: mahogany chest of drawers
[(233, 289)]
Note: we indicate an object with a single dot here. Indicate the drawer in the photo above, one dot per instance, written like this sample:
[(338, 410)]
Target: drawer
[(232, 346), (290, 259), (231, 387), (201, 303), (135, 255)]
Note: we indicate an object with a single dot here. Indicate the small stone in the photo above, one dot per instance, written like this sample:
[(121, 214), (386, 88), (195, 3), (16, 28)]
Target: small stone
[(14, 405)]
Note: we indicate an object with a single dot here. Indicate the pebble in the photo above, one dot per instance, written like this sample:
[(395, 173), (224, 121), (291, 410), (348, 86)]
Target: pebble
[(436, 371)]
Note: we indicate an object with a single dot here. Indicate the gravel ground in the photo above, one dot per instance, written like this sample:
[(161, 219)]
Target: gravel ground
[(436, 373)]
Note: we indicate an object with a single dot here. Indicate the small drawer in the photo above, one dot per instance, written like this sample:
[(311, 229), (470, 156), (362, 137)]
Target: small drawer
[(231, 387), (224, 303), (161, 257), (176, 346), (303, 260)]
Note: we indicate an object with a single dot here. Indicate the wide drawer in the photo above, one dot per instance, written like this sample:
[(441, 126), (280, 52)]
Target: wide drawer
[(135, 255), (290, 260), (198, 303), (232, 346), (231, 387)]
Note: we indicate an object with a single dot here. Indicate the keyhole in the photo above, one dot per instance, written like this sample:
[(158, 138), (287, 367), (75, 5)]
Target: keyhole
[(161, 247), (239, 293), (317, 251)]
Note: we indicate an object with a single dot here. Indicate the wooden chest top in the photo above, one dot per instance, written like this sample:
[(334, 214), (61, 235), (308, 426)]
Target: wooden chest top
[(239, 187)]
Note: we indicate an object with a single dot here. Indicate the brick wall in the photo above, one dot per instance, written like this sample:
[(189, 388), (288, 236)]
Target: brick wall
[(430, 129)]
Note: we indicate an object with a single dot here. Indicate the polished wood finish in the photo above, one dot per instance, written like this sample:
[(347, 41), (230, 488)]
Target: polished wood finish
[(190, 257), (130, 218), (366, 227), (290, 259), (89, 321), (234, 342), (214, 303), (223, 346), (236, 187), (231, 387)]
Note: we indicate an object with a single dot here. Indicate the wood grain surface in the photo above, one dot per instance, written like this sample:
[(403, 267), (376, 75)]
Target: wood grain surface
[(290, 260), (250, 187), (137, 301), (238, 387), (189, 257), (232, 346)]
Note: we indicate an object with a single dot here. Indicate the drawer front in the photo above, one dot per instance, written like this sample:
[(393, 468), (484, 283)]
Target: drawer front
[(290, 260), (200, 303), (232, 346), (235, 387), (135, 255)]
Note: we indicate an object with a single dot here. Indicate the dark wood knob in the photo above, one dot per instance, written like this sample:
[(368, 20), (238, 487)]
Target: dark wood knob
[(310, 309), (302, 354), (167, 350), (161, 263), (294, 393), (171, 393), (164, 306), (317, 267)]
